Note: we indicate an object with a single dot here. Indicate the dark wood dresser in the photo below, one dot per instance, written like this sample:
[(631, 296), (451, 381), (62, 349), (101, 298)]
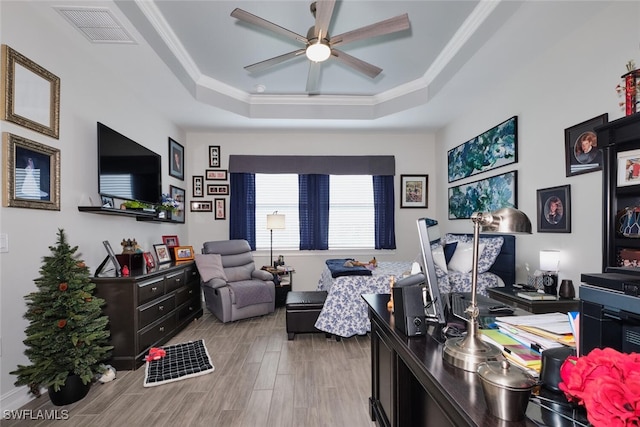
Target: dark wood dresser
[(145, 310)]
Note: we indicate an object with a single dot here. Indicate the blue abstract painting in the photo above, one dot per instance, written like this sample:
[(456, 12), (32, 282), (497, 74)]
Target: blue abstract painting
[(486, 195)]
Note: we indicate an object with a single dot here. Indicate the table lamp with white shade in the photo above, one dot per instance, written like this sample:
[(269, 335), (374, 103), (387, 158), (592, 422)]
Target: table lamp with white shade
[(550, 265), (469, 351), (275, 221)]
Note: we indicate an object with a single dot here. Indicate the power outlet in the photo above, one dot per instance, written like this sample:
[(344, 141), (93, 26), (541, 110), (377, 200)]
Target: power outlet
[(4, 242)]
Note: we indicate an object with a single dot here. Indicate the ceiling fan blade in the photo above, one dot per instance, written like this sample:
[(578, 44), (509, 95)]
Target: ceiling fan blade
[(388, 26), (313, 80), (324, 11), (355, 63), (259, 66), (249, 18)]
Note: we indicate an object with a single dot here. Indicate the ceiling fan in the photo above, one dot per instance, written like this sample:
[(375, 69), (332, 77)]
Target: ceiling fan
[(319, 46)]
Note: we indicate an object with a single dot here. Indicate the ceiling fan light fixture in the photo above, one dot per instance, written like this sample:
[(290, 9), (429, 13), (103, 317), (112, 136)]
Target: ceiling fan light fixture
[(318, 52)]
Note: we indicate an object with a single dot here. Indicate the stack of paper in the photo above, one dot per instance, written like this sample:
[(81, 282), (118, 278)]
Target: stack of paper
[(513, 350), (538, 331)]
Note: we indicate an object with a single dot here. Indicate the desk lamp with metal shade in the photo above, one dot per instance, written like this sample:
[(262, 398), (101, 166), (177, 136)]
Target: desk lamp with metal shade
[(275, 221), (469, 351)]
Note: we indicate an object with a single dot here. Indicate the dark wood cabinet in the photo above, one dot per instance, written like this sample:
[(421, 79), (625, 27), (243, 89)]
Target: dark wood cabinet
[(619, 139), (146, 310)]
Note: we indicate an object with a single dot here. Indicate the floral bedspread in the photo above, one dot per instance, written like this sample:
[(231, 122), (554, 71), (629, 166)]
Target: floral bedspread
[(345, 313)]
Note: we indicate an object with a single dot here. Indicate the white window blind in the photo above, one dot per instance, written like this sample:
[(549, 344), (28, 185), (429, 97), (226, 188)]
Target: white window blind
[(351, 213)]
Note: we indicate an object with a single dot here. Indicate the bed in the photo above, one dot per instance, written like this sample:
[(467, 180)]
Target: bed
[(345, 313)]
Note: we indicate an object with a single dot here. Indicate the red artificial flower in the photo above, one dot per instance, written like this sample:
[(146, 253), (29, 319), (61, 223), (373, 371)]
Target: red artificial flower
[(63, 286), (62, 323), (607, 383)]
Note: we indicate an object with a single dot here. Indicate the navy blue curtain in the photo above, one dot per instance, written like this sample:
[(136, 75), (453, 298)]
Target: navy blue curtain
[(242, 209), (383, 202), (313, 200)]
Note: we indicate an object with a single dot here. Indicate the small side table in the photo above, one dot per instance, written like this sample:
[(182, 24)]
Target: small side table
[(283, 280), (508, 295)]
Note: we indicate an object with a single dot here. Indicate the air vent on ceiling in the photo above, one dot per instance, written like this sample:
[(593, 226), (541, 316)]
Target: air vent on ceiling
[(99, 25)]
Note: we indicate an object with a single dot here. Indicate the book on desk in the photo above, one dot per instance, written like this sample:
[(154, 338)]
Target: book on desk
[(539, 331), (537, 296)]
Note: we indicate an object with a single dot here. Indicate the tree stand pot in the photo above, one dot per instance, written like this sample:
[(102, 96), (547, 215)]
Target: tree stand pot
[(72, 391)]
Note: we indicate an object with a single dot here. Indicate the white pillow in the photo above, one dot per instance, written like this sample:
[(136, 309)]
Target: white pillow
[(210, 267), (462, 259), (438, 257)]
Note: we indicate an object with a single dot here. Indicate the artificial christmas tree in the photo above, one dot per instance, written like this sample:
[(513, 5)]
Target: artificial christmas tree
[(67, 335)]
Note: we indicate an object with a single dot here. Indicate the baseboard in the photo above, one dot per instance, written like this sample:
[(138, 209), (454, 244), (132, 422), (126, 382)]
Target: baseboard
[(15, 399)]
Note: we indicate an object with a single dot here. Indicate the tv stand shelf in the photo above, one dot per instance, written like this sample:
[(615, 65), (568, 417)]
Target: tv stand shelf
[(139, 215)]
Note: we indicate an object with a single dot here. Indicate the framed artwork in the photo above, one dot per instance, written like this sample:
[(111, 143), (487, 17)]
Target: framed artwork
[(218, 189), (201, 206), (32, 174), (216, 175), (414, 191), (582, 153), (492, 149), (31, 94), (178, 194), (162, 253), (198, 186), (221, 208), (214, 156), (107, 202), (554, 209), (183, 253), (485, 195), (176, 159), (149, 260), (170, 241), (628, 168)]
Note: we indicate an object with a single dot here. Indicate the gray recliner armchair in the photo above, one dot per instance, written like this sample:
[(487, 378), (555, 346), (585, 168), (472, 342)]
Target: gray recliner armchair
[(240, 290)]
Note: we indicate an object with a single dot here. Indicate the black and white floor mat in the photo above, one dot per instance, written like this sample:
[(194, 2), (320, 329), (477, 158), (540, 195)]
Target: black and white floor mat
[(182, 361)]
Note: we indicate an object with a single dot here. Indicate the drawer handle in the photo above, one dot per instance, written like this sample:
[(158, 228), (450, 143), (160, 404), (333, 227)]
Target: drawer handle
[(190, 291), (161, 328), (178, 280), (155, 288), (190, 308), (161, 307)]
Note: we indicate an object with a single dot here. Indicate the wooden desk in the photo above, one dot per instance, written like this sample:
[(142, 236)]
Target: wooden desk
[(411, 385)]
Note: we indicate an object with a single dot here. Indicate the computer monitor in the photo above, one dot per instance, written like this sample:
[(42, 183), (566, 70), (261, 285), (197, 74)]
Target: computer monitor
[(429, 233)]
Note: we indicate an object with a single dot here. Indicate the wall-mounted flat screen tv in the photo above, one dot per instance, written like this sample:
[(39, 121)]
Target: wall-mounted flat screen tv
[(126, 169)]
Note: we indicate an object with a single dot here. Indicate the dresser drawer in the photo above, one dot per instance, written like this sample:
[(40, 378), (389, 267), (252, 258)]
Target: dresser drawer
[(189, 309), (174, 281), (191, 275), (156, 332), (186, 293), (150, 290), (150, 313)]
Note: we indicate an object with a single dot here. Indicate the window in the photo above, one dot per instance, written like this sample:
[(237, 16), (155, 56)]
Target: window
[(351, 215)]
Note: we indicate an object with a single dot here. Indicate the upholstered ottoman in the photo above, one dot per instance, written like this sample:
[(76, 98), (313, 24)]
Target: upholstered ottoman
[(302, 310)]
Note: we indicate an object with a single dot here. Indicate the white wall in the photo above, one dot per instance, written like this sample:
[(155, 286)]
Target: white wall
[(89, 93), (414, 154), (573, 82)]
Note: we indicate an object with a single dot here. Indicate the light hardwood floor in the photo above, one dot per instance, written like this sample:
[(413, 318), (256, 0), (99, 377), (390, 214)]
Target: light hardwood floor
[(260, 379)]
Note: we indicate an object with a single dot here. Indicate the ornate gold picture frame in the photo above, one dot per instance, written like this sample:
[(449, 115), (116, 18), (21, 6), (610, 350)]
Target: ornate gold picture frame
[(31, 94), (31, 174)]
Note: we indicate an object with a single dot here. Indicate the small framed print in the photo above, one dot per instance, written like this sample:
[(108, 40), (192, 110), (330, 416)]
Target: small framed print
[(216, 175), (214, 156), (107, 202), (149, 261), (414, 191), (582, 153), (178, 194), (218, 189), (176, 159), (162, 253), (628, 168), (554, 210), (170, 241), (221, 208), (198, 186), (183, 253), (201, 206)]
